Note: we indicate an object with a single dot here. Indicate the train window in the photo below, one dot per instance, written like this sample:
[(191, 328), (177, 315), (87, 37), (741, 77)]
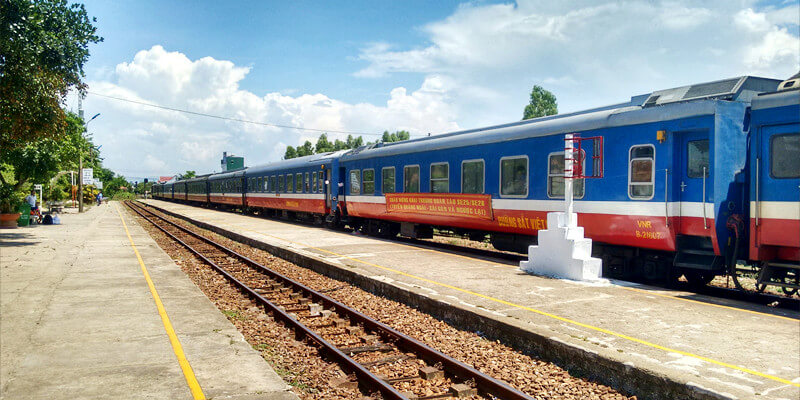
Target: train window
[(313, 182), (272, 187), (308, 183), (440, 178), (355, 181), (321, 181), (641, 172), (784, 156), (555, 178), (411, 179), (514, 176), (387, 180), (282, 183), (472, 176), (298, 187), (369, 181), (697, 159)]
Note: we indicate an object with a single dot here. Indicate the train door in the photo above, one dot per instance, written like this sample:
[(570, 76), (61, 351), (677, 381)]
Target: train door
[(327, 190), (777, 190), (694, 187)]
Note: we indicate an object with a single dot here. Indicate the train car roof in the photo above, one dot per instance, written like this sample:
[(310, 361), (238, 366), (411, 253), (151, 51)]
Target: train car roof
[(230, 174), (682, 102), (776, 99), (299, 162)]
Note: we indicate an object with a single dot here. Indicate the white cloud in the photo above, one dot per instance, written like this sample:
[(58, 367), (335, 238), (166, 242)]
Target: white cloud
[(590, 53), (478, 65), (139, 140)]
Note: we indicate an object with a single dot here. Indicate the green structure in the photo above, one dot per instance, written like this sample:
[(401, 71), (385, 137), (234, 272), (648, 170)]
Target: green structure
[(231, 162)]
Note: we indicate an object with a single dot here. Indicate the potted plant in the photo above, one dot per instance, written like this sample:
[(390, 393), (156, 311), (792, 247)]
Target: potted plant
[(9, 203)]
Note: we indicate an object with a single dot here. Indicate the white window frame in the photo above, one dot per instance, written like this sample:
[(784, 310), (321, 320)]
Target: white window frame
[(527, 177), (652, 174), (350, 182), (548, 175), (404, 177), (483, 178), (431, 179), (394, 189), (300, 189), (373, 181), (314, 180)]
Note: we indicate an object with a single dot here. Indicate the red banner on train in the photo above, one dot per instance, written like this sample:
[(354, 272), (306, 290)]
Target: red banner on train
[(445, 204)]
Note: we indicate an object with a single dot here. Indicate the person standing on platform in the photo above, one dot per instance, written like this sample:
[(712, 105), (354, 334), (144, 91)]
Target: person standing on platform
[(31, 199)]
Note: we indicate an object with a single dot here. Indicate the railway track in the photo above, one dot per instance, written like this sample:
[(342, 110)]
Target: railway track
[(382, 359)]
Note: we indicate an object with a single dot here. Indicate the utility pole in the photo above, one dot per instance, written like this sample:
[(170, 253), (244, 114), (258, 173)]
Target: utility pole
[(80, 167)]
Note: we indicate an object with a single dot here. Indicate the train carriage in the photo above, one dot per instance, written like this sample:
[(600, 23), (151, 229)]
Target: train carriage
[(299, 185), (227, 188), (774, 195), (197, 189), (671, 162)]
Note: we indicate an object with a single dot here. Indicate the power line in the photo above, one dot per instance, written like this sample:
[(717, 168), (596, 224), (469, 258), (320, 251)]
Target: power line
[(229, 118)]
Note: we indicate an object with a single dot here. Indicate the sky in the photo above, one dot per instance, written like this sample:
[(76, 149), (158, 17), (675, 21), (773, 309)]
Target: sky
[(369, 66)]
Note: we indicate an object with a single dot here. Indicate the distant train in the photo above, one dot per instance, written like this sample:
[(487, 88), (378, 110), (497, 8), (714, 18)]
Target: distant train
[(690, 181)]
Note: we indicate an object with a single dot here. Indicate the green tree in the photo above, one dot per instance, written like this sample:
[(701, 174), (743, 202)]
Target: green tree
[(306, 149), (396, 136), (339, 145), (188, 175), (43, 47), (40, 160), (543, 103), (290, 153), (323, 144)]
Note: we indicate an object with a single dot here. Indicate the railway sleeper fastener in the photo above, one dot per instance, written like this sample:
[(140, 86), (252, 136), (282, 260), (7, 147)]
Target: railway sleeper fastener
[(354, 330), (430, 373), (369, 339), (461, 390), (340, 323), (315, 310)]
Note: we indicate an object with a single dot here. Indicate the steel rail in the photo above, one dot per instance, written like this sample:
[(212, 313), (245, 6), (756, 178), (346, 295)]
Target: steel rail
[(456, 368)]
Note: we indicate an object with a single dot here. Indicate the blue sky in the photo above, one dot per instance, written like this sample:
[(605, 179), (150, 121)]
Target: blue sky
[(292, 46), (372, 66)]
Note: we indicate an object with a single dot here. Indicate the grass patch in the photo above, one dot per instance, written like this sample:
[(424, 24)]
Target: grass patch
[(231, 314)]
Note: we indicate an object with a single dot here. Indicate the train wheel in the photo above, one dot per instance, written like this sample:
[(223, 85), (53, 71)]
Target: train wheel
[(793, 280)]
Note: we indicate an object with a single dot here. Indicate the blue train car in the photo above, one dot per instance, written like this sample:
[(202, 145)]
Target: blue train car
[(227, 188), (672, 176), (774, 191), (301, 186)]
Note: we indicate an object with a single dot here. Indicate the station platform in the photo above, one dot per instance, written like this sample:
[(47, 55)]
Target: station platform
[(78, 319), (693, 345)]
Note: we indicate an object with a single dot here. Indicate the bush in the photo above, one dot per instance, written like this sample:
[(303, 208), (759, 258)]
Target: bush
[(122, 195)]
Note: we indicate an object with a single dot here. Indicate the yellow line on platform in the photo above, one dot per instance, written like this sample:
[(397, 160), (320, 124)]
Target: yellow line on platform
[(191, 380), (647, 292), (546, 314), (643, 291)]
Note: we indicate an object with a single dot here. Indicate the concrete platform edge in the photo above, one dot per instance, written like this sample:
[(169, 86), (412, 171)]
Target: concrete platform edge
[(643, 382)]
